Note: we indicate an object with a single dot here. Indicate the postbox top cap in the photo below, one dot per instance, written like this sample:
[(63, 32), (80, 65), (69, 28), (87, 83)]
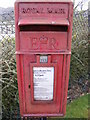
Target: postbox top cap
[(44, 0)]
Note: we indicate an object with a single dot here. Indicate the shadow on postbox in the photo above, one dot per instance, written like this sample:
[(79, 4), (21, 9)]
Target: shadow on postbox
[(43, 50)]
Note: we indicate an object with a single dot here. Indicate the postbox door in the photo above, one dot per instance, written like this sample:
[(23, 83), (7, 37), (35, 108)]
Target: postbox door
[(34, 104)]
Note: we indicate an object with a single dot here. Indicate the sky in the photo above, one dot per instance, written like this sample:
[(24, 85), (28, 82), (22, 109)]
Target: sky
[(10, 3)]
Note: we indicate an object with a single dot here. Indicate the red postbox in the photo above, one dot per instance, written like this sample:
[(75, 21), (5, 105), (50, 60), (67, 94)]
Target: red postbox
[(43, 50)]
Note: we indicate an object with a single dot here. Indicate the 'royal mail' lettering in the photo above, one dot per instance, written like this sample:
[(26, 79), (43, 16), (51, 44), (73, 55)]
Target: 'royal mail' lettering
[(41, 10)]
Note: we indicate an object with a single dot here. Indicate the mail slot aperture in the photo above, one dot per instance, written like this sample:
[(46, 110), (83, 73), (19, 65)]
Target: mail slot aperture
[(57, 28)]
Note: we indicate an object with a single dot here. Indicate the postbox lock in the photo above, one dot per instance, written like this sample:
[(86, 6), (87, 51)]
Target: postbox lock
[(29, 86)]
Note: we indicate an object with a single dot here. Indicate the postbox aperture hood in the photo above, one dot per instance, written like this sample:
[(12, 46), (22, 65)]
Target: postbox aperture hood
[(64, 22)]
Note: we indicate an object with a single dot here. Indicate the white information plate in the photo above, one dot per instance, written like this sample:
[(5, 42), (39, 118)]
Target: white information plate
[(43, 78)]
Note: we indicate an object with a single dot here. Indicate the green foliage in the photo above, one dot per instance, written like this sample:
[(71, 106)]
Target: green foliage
[(79, 57), (9, 76)]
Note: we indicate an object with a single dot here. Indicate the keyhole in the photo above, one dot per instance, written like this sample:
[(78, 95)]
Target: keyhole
[(29, 86)]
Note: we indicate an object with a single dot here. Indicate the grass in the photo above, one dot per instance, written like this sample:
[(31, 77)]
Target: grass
[(77, 108)]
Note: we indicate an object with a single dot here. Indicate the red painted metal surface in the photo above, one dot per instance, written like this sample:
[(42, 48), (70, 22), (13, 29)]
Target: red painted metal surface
[(47, 21), (43, 28)]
